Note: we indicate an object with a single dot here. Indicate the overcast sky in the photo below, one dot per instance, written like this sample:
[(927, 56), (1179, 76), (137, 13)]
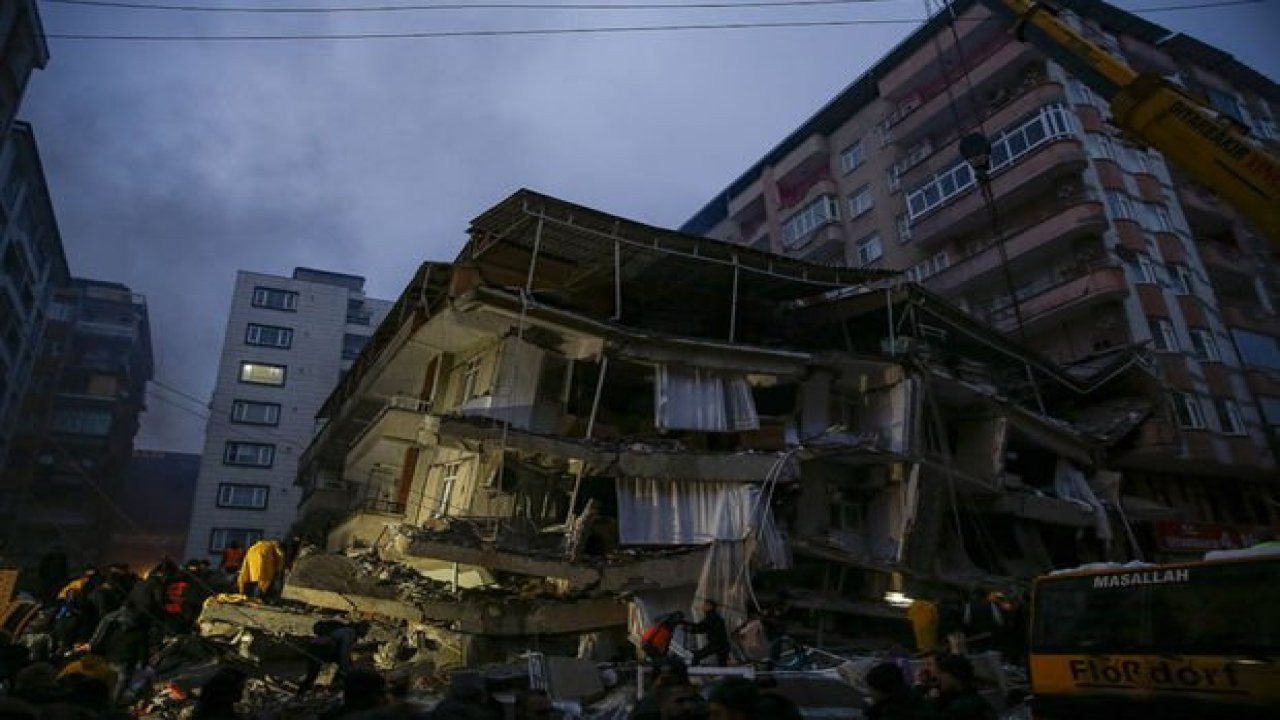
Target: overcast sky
[(172, 165)]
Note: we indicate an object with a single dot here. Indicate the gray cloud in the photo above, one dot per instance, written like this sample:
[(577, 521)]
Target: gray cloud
[(174, 165)]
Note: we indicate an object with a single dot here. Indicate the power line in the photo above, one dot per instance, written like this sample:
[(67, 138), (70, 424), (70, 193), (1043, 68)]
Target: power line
[(420, 7), (605, 30)]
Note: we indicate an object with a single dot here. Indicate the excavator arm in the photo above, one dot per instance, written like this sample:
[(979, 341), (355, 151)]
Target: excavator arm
[(1205, 144)]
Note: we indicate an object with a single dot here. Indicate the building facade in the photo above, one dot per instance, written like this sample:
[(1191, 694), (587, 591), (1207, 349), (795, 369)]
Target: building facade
[(288, 341), (78, 418), (155, 494), (1108, 248), (22, 50), (32, 267)]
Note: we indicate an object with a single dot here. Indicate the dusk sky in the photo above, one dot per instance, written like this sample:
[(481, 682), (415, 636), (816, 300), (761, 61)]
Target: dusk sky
[(174, 164)]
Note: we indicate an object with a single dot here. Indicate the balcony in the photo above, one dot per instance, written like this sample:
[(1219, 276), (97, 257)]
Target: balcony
[(402, 422), (106, 329), (1083, 217), (1032, 176), (922, 64), (1092, 286)]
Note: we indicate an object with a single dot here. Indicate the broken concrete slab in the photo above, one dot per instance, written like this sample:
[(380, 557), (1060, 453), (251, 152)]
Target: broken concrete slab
[(229, 619), (414, 551)]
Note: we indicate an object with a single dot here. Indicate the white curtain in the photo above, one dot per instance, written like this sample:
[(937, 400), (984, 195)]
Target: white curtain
[(690, 398), (655, 511), (1069, 483)]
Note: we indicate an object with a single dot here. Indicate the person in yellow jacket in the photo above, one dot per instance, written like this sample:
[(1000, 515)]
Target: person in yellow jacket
[(924, 623), (262, 567)]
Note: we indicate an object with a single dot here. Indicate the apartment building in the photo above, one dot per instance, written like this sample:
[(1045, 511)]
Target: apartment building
[(22, 50), (1108, 248), (32, 267), (78, 417), (288, 341)]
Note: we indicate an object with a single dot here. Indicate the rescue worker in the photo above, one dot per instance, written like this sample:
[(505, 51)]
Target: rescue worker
[(712, 626), (656, 641), (890, 696), (176, 612), (958, 699), (263, 563), (924, 624), (333, 642), (75, 617), (232, 558)]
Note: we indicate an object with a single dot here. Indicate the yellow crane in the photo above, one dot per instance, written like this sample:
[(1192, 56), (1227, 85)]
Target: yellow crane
[(1211, 147)]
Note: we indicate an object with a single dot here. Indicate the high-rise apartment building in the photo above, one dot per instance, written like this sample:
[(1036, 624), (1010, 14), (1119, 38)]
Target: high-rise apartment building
[(78, 418), (1108, 247), (22, 50), (32, 267), (288, 341)]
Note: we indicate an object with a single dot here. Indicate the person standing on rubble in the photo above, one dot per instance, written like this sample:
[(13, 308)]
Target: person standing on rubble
[(261, 569), (333, 642), (711, 625)]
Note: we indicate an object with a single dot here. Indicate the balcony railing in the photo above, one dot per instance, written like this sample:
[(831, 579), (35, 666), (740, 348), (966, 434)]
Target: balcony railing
[(1040, 301)]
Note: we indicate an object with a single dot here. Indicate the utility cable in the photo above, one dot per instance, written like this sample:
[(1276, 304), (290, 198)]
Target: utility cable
[(420, 7), (525, 32)]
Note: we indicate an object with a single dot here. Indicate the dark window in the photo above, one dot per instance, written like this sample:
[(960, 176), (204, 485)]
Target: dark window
[(248, 454), (248, 412), (268, 336), (275, 299), (357, 313), (245, 497), (219, 538), (352, 345)]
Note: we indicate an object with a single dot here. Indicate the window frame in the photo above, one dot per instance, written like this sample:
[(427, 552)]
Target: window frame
[(869, 240), (1209, 352), (1232, 414), (470, 378), (1192, 416), (230, 486), (253, 335), (1183, 279), (1165, 335), (450, 473), (262, 294), (853, 150), (239, 417), (284, 374), (249, 535), (803, 223), (856, 198), (228, 460)]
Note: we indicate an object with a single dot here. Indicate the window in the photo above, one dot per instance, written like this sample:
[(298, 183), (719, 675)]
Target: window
[(861, 201), (852, 157), (220, 538), (1182, 281), (1190, 414), (1157, 218), (1015, 142), (1229, 418), (471, 378), (1120, 206), (448, 478), (1144, 271), (1206, 347), (268, 336), (894, 179), (82, 422), (869, 249), (807, 219), (1257, 350), (357, 313), (940, 188), (248, 454), (1227, 103), (928, 268), (275, 299), (248, 412), (245, 497), (1163, 335), (352, 345), (262, 373), (904, 229)]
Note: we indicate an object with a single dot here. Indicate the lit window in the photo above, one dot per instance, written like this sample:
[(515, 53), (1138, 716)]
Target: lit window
[(268, 336), (852, 157), (869, 249), (1229, 418), (1163, 335), (861, 201), (247, 497), (220, 538), (1206, 347), (262, 373), (807, 219), (248, 412), (249, 454), (275, 299), (448, 478), (1190, 414)]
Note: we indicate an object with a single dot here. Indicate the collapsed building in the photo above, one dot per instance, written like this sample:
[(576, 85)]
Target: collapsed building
[(584, 422)]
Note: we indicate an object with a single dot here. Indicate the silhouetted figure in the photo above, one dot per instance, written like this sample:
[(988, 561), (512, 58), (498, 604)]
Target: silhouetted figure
[(712, 626)]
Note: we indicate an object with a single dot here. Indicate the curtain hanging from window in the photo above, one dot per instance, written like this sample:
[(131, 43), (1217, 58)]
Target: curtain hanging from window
[(690, 398)]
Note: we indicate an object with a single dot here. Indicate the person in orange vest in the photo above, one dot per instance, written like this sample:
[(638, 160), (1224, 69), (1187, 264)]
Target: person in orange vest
[(263, 564), (656, 640), (232, 558)]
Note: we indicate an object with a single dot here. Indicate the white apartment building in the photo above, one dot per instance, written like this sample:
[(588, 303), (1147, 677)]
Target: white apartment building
[(288, 341)]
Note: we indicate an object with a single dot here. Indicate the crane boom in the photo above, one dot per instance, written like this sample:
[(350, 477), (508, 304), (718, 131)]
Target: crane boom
[(1205, 144)]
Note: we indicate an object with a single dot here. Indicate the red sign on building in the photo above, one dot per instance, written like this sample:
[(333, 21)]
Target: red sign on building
[(1190, 537)]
